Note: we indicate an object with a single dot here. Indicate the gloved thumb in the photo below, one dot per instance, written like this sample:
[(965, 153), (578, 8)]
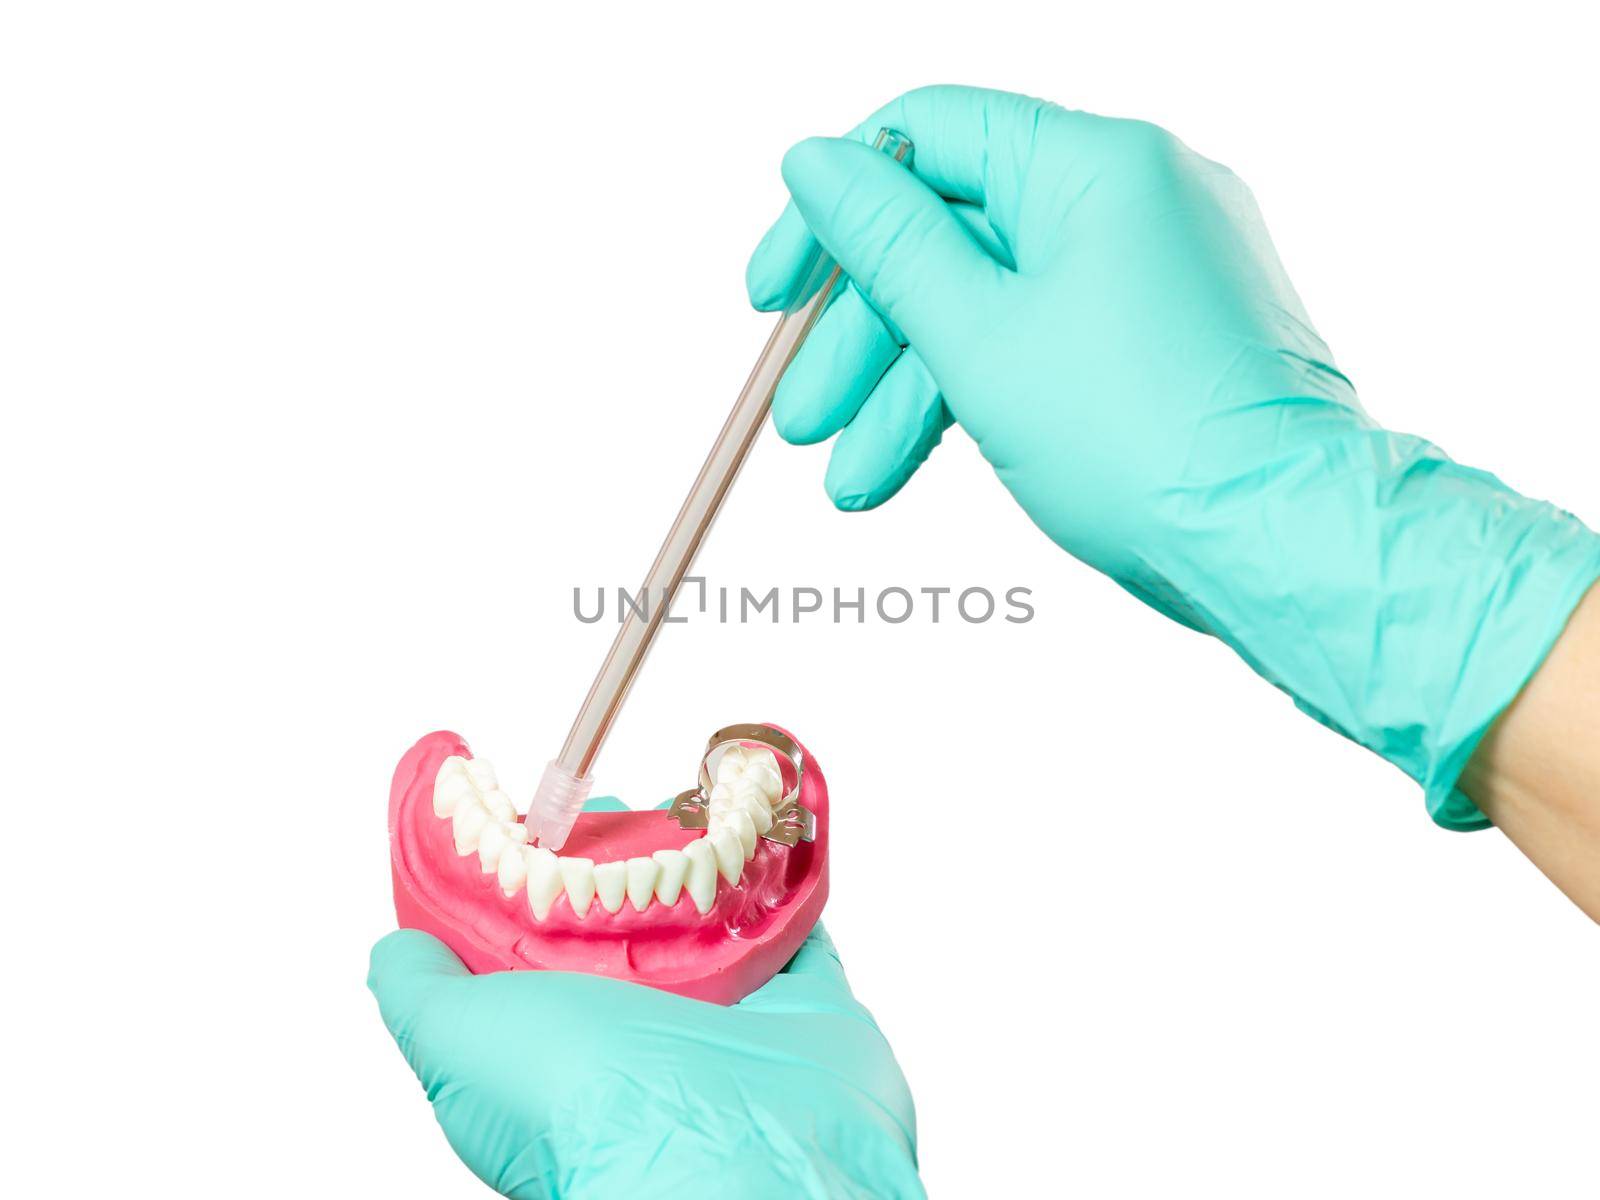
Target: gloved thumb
[(893, 235), (817, 957), (407, 966)]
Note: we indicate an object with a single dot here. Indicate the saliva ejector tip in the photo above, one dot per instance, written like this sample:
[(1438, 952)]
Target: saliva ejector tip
[(556, 805)]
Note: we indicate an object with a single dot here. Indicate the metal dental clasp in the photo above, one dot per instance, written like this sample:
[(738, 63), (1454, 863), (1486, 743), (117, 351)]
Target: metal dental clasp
[(792, 822), (689, 809)]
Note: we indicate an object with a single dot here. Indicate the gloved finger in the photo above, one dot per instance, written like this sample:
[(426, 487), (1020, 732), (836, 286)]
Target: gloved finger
[(842, 359), (812, 982), (818, 958), (958, 134), (954, 131), (893, 434), (893, 235), (406, 967), (778, 262), (785, 252)]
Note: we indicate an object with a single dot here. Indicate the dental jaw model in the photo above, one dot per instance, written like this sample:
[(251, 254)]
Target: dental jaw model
[(707, 899)]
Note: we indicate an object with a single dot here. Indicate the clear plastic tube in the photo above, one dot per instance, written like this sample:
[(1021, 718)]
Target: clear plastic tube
[(567, 779)]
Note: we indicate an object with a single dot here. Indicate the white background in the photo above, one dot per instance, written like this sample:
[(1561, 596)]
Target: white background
[(340, 341)]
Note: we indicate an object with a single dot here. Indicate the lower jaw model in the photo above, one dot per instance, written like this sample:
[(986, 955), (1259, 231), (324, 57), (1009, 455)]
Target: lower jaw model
[(709, 900)]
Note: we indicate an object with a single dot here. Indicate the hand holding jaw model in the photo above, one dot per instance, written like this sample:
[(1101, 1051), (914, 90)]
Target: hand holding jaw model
[(635, 1091), (1102, 310), (718, 911)]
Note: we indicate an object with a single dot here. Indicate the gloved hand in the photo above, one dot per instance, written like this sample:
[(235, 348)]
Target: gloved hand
[(1103, 311), (557, 1085)]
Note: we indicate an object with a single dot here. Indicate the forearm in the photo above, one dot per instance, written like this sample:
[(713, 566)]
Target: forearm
[(1536, 774)]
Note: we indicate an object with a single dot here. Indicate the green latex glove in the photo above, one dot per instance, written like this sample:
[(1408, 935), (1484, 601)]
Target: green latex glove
[(551, 1084), (1102, 310)]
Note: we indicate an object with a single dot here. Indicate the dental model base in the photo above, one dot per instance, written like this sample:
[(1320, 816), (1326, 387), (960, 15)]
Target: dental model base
[(708, 898), (567, 779)]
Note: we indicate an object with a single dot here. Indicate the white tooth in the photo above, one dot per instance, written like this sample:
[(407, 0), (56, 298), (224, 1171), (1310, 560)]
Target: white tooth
[(544, 880), (455, 790), (449, 785), (760, 756), (674, 866), (611, 884), (467, 822), (759, 812), (498, 839), (513, 868), (702, 876), (481, 774), (642, 875), (499, 805), (746, 791), (492, 842), (731, 765), (766, 777), (729, 851), (577, 876), (739, 821), (722, 791)]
